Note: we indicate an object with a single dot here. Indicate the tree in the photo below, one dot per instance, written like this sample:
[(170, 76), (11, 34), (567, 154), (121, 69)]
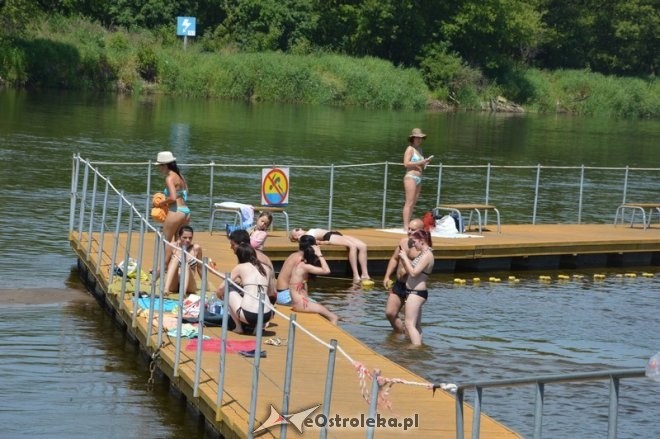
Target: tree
[(495, 34)]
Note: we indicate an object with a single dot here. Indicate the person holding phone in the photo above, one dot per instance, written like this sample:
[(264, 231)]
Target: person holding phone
[(415, 163)]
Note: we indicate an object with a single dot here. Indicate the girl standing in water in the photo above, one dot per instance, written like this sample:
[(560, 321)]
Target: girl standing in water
[(415, 293)]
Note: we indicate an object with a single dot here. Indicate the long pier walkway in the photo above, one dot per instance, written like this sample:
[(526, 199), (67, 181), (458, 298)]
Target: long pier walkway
[(409, 406)]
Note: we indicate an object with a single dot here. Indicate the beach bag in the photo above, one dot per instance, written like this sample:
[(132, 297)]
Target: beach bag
[(130, 267), (446, 225)]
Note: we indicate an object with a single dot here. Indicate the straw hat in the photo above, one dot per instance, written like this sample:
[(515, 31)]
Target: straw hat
[(165, 157), (416, 132)]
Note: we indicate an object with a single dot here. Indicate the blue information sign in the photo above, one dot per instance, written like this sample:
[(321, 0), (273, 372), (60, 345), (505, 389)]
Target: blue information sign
[(185, 26)]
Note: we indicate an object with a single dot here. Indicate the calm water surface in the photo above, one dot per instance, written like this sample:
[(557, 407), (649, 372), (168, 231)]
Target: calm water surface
[(66, 370)]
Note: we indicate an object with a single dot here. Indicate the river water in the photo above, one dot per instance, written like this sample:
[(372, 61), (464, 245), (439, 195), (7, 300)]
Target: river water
[(66, 370)]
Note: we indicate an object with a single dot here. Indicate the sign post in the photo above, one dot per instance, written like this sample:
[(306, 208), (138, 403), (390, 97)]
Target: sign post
[(274, 186), (186, 27)]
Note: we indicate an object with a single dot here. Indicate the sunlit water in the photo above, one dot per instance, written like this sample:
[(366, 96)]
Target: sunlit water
[(502, 330), (66, 369)]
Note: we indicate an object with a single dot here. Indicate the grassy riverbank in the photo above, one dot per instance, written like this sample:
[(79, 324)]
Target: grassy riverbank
[(77, 54)]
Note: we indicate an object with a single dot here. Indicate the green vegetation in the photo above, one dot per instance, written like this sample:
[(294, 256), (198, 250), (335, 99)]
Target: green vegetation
[(589, 57)]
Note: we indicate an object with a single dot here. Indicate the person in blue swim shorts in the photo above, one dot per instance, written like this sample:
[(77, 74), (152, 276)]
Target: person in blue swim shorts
[(283, 291)]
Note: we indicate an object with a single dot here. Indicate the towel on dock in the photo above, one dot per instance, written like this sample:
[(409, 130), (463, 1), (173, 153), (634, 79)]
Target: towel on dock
[(246, 211), (168, 304), (436, 233), (214, 344)]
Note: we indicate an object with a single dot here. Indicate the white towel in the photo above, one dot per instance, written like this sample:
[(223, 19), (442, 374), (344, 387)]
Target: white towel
[(246, 211)]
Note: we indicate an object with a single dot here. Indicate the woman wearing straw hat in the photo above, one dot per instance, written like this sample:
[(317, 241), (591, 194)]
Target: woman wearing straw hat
[(414, 162), (176, 193)]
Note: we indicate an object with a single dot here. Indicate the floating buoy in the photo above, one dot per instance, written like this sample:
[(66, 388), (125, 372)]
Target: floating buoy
[(563, 277), (619, 275), (544, 278), (494, 279), (459, 281), (631, 274), (648, 274), (578, 276), (599, 276), (367, 283), (476, 280), (512, 278)]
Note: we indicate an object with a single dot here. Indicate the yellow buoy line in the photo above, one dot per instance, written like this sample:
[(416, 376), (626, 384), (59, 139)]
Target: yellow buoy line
[(562, 278)]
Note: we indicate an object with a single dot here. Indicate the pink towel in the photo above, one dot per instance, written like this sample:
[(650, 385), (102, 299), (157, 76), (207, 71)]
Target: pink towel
[(213, 345)]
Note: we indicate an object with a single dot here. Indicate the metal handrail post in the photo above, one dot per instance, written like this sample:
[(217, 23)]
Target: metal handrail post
[(286, 391), (331, 195), (75, 170), (147, 199), (487, 197), (536, 192), (329, 377), (138, 274), (625, 185), (538, 410), (439, 187), (200, 327), (129, 236), (255, 366), (83, 198), (162, 249), (179, 317), (476, 415), (223, 348), (581, 194), (211, 175), (152, 292), (614, 408), (104, 214), (373, 404), (382, 215), (459, 413), (91, 215), (115, 242)]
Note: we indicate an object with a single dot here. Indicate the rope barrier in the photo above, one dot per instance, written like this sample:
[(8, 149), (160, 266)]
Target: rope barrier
[(385, 384)]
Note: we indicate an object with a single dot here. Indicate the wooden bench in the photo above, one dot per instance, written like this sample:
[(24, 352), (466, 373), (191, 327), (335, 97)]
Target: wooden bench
[(236, 211), (637, 207), (473, 209)]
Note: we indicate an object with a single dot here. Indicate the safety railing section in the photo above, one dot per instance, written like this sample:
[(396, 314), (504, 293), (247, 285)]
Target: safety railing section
[(539, 382), (370, 194), (98, 207), (118, 214)]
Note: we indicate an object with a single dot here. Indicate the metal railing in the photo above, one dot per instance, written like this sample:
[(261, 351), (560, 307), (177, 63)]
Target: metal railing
[(524, 193), (84, 211), (614, 376), (118, 213)]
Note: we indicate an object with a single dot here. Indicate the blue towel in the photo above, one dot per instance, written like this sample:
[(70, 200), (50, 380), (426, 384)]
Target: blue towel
[(168, 304)]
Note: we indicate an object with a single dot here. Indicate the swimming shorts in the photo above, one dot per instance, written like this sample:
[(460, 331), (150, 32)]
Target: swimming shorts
[(284, 297)]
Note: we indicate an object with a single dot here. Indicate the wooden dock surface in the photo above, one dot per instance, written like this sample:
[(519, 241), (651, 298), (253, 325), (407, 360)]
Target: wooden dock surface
[(518, 246), (434, 412)]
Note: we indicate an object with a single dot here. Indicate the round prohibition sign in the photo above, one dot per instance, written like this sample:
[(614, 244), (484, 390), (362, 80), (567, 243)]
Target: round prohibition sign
[(275, 187)]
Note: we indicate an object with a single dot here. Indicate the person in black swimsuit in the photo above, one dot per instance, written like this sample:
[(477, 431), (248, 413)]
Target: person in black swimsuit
[(418, 269)]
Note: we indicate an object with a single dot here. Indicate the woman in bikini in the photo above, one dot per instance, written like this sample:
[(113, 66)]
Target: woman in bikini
[(415, 292), (357, 249), (176, 193), (173, 262), (414, 162), (254, 278), (312, 263)]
